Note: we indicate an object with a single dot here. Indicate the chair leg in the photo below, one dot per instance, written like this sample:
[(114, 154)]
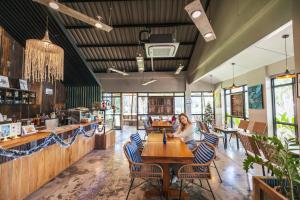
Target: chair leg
[(248, 182), (263, 170), (132, 180), (160, 188), (180, 189), (210, 189), (229, 138), (200, 182), (218, 172)]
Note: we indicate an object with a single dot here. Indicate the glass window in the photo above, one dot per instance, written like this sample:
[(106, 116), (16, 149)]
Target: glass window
[(284, 108), (143, 105), (179, 105), (230, 120), (196, 105), (161, 94), (129, 104), (200, 100)]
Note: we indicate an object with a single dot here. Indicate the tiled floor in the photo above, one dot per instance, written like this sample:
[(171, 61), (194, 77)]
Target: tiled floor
[(103, 175)]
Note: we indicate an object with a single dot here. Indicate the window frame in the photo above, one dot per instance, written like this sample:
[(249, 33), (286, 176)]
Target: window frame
[(244, 90), (201, 95), (273, 87)]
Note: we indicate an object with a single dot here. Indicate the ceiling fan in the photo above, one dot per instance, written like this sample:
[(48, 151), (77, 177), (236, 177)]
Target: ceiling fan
[(75, 14)]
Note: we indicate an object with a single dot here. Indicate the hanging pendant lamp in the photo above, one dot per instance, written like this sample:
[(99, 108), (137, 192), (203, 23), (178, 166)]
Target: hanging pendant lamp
[(287, 73), (44, 61), (233, 86)]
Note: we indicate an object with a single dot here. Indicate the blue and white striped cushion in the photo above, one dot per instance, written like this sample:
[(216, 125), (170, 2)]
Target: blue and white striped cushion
[(211, 138), (137, 139), (133, 152), (203, 155)]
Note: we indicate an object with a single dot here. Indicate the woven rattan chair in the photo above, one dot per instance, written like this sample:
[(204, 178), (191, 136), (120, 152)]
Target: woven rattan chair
[(138, 169), (200, 169), (214, 140), (205, 129), (135, 137), (259, 128), (251, 148), (243, 126)]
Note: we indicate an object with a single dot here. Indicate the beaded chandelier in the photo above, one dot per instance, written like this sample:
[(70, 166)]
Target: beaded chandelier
[(44, 61)]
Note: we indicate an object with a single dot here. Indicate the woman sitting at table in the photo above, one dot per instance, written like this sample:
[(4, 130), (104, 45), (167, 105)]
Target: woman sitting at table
[(185, 131)]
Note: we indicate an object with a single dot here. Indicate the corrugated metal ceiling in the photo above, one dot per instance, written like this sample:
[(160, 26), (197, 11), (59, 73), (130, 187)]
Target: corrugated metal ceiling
[(120, 46)]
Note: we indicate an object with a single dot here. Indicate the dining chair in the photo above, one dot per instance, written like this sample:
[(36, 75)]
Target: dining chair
[(259, 128), (251, 148), (200, 169), (214, 140), (141, 170), (243, 125), (205, 129), (138, 140)]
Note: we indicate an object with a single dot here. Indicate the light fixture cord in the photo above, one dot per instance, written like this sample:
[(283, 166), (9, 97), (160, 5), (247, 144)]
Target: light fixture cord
[(286, 66), (233, 73), (110, 14)]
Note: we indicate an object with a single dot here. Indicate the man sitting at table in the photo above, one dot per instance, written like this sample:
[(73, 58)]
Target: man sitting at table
[(185, 131)]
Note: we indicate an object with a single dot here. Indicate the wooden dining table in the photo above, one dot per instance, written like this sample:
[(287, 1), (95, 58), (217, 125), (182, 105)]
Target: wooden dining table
[(227, 131), (174, 151), (161, 124)]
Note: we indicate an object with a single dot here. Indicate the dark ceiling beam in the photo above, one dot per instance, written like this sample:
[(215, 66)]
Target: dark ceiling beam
[(132, 59), (90, 1), (153, 25), (121, 45)]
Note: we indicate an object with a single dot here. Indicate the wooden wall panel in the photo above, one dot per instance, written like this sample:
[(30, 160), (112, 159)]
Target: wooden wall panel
[(20, 177)]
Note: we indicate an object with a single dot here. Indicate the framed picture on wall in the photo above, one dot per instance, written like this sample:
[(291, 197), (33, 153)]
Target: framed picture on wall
[(298, 85), (4, 82), (23, 84), (255, 97)]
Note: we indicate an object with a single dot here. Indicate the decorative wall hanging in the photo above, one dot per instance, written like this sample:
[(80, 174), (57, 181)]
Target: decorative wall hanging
[(44, 61), (255, 94), (4, 52)]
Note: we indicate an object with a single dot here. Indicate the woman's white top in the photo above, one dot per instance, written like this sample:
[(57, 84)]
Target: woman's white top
[(186, 135)]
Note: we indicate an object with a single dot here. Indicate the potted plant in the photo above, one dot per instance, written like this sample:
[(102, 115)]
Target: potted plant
[(282, 162)]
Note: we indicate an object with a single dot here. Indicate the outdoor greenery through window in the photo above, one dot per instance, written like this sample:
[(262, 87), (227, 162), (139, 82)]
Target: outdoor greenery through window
[(236, 106), (283, 102), (200, 100)]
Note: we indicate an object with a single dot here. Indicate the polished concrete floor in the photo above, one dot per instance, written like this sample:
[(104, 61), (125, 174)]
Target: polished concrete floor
[(103, 175)]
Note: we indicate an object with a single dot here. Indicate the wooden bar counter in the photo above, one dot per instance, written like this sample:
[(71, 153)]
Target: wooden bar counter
[(22, 176)]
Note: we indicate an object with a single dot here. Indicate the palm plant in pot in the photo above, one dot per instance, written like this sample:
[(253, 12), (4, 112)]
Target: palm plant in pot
[(282, 162)]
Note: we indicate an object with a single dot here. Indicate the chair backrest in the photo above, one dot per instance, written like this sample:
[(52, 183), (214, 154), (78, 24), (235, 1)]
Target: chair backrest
[(243, 124), (137, 139), (249, 144), (203, 127), (132, 153), (211, 138), (259, 128), (269, 151), (205, 153)]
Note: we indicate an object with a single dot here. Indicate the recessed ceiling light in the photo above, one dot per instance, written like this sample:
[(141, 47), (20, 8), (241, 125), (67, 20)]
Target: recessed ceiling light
[(53, 5), (208, 35), (195, 14), (98, 25)]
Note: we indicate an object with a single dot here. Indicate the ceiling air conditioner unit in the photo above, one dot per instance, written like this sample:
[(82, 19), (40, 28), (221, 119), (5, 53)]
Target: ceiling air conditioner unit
[(161, 46)]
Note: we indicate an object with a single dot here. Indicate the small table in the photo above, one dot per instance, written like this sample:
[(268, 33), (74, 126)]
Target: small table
[(161, 124), (228, 131), (175, 151)]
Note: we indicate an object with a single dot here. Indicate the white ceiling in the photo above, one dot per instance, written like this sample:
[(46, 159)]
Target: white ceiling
[(268, 50)]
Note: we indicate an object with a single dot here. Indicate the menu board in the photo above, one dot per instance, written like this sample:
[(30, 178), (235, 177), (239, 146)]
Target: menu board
[(161, 105), (237, 105)]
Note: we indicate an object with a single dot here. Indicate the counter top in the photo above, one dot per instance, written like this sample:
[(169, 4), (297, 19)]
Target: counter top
[(10, 143)]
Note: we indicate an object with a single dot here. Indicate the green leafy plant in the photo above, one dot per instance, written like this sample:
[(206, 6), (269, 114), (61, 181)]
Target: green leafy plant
[(282, 162)]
